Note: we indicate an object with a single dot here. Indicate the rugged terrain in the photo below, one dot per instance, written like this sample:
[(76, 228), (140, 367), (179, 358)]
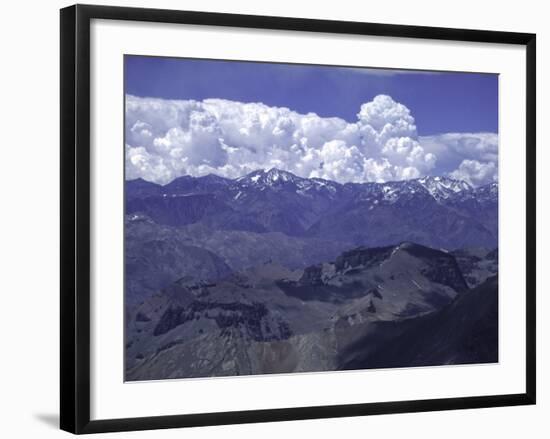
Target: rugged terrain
[(274, 320), (273, 273), (433, 211)]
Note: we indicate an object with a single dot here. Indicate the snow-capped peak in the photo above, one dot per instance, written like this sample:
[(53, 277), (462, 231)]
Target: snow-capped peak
[(269, 177), (275, 174), (439, 188), (278, 179), (443, 187)]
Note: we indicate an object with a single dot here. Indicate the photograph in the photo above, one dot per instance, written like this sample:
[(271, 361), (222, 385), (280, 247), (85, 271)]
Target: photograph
[(266, 220), (284, 218)]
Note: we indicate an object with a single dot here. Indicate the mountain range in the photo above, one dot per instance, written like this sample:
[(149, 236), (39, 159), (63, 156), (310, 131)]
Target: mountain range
[(274, 273), (434, 211)]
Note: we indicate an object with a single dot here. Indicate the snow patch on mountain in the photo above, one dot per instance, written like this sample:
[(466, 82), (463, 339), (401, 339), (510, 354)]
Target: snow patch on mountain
[(442, 188)]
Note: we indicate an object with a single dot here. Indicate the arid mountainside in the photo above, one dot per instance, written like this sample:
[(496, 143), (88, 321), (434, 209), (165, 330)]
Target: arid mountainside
[(274, 273), (271, 319)]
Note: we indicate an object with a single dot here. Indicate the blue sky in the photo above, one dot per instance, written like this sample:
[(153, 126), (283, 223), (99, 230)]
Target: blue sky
[(440, 103), (348, 124)]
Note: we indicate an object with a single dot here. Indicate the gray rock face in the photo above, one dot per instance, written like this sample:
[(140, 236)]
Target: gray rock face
[(274, 320), (463, 332), (477, 264)]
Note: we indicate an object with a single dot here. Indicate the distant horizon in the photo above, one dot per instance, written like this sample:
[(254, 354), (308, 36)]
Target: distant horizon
[(350, 125), (434, 177)]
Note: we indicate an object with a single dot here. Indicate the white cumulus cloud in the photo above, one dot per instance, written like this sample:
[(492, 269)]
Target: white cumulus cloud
[(472, 157), (169, 138), (476, 173)]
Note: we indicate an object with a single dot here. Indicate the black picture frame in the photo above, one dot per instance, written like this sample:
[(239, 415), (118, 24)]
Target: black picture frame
[(75, 217)]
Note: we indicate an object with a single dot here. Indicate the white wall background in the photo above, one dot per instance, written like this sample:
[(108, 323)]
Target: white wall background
[(29, 248)]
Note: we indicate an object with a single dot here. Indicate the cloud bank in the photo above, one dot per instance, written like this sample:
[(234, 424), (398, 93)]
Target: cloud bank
[(167, 138), (472, 157)]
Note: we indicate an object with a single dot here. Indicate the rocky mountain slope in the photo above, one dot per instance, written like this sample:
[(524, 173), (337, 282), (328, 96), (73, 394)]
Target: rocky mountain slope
[(463, 332), (477, 264), (433, 211), (273, 273), (157, 255), (270, 319)]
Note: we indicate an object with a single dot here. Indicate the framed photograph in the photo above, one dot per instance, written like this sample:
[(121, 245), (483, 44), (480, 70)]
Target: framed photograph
[(268, 218)]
